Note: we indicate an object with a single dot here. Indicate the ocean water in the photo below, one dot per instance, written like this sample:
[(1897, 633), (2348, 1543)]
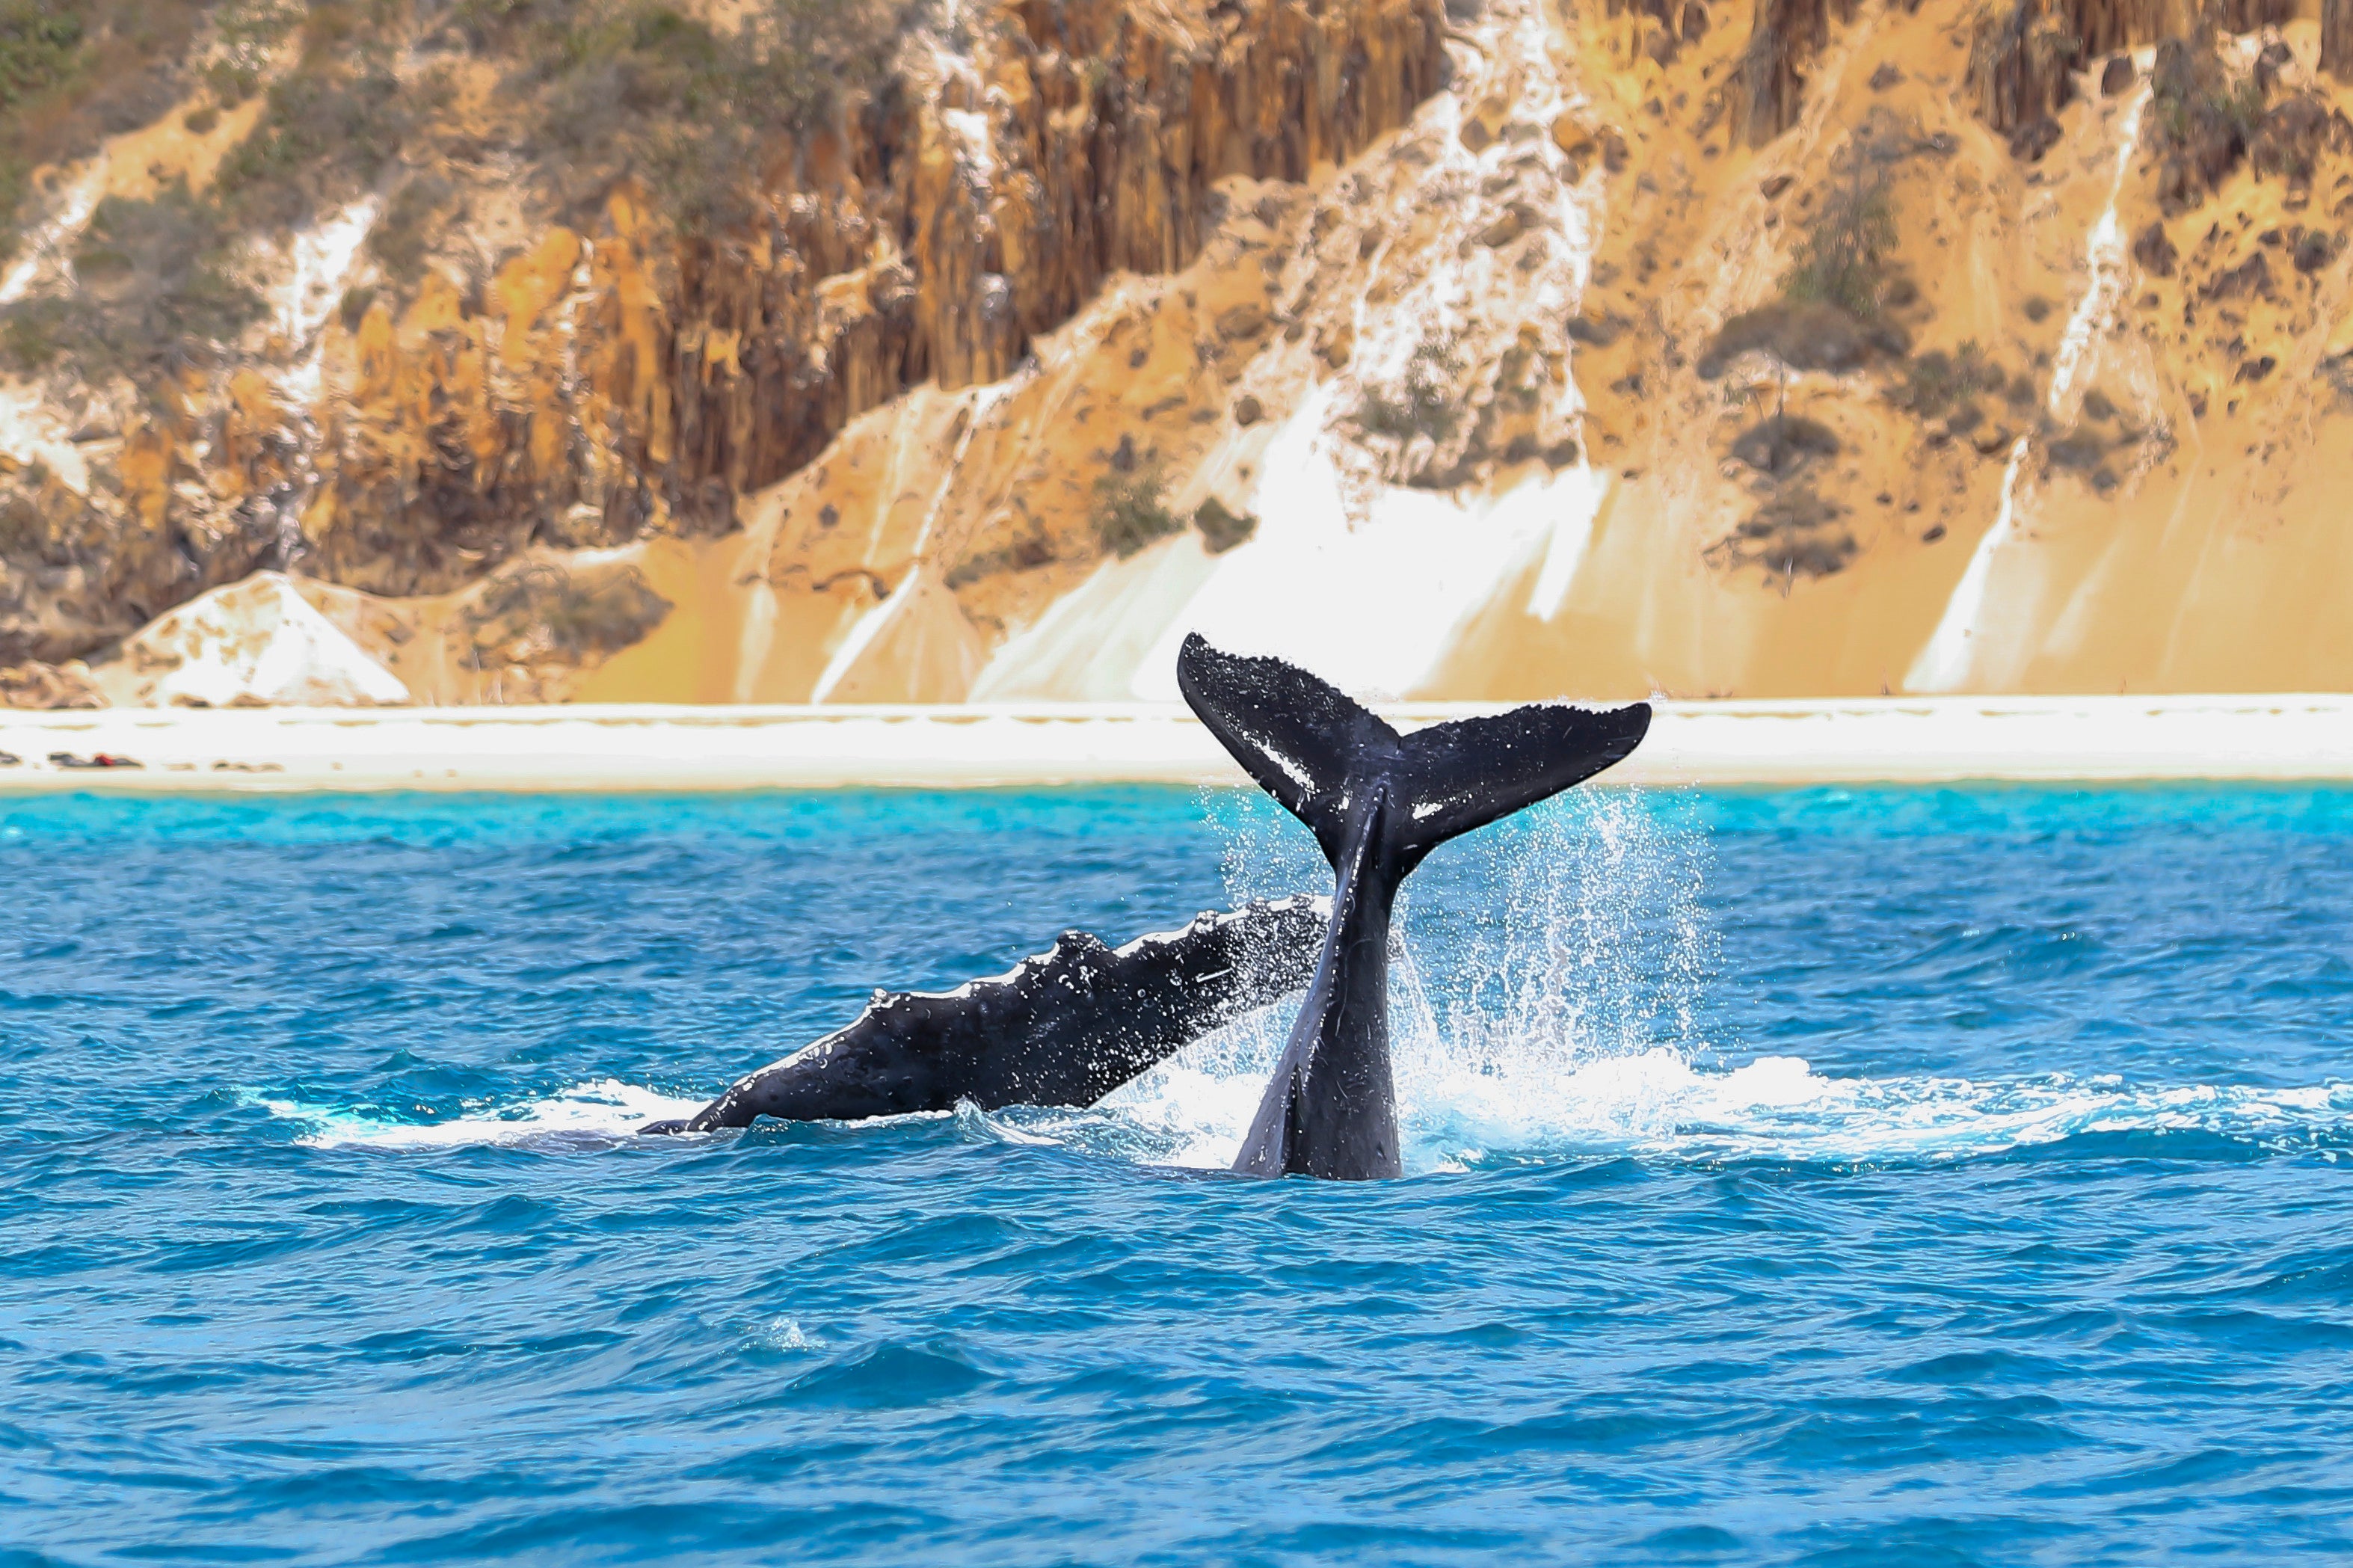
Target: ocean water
[(1919, 1177)]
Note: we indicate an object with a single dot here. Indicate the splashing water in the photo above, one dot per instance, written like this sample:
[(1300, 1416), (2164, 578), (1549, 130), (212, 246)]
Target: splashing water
[(1539, 1109), (1595, 951)]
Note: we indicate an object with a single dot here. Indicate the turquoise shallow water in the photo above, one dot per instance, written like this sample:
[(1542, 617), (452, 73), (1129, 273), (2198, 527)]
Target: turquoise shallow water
[(1823, 1177)]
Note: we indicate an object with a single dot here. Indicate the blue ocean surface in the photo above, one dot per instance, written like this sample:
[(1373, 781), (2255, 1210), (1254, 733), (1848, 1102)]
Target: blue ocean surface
[(1903, 1176)]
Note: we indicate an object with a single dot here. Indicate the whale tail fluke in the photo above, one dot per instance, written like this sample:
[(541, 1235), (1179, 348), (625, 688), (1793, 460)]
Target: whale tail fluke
[(1467, 773), (1305, 741), (1377, 802)]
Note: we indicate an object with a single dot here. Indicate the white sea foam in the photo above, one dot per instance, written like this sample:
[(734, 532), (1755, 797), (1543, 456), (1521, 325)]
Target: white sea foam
[(1653, 1105), (1657, 1105), (593, 1114)]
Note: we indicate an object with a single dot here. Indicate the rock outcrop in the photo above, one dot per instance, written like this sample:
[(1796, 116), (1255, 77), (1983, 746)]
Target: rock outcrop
[(1783, 34), (37, 685), (605, 380), (258, 643)]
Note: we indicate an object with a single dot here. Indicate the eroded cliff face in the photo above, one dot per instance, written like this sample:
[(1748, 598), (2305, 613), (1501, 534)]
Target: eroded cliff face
[(1504, 352), (521, 357), (2080, 431)]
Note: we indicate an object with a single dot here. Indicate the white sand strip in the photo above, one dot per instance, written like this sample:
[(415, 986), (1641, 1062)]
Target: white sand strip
[(1901, 740)]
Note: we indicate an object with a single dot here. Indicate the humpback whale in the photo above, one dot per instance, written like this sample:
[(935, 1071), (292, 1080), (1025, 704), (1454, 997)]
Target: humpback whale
[(1070, 1025), (1065, 1028), (1377, 803)]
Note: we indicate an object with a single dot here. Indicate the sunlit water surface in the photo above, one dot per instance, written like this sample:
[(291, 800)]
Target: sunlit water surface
[(1847, 1177)]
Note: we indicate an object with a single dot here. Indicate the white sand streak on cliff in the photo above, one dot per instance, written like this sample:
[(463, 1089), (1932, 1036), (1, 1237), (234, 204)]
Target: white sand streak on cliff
[(1367, 579), (319, 263), (33, 429), (916, 643), (45, 245), (1983, 639)]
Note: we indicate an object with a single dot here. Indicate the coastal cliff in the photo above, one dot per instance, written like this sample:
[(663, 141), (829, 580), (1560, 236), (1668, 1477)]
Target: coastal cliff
[(536, 350)]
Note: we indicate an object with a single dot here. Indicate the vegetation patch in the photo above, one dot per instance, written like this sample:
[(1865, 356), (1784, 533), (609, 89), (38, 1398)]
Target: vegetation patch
[(1221, 528), (1841, 258), (2154, 251), (1801, 335), (1784, 443), (40, 48), (2337, 370), (75, 71), (2208, 120), (623, 87), (1025, 553), (27, 533), (156, 290), (1425, 400), (1795, 533), (2080, 450), (1935, 382), (1132, 510), (403, 236), (245, 33), (540, 609), (334, 123)]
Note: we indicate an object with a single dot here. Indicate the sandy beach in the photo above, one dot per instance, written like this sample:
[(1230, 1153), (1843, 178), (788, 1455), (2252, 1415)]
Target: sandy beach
[(617, 747)]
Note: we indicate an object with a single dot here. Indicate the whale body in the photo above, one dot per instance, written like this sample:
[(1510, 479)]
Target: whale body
[(1377, 802), (1064, 1028)]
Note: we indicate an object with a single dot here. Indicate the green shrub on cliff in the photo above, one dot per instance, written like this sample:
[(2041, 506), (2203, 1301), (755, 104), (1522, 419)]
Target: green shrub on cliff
[(1132, 510), (540, 608), (74, 71), (1842, 257), (1221, 527), (1936, 381), (642, 87), (326, 135), (156, 288), (333, 123), (40, 44), (403, 232)]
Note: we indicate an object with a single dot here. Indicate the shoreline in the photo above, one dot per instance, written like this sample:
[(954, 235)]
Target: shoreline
[(1869, 740), (620, 748)]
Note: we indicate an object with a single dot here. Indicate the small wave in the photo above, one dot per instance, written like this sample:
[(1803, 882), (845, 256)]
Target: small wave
[(595, 1114), (785, 1336)]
